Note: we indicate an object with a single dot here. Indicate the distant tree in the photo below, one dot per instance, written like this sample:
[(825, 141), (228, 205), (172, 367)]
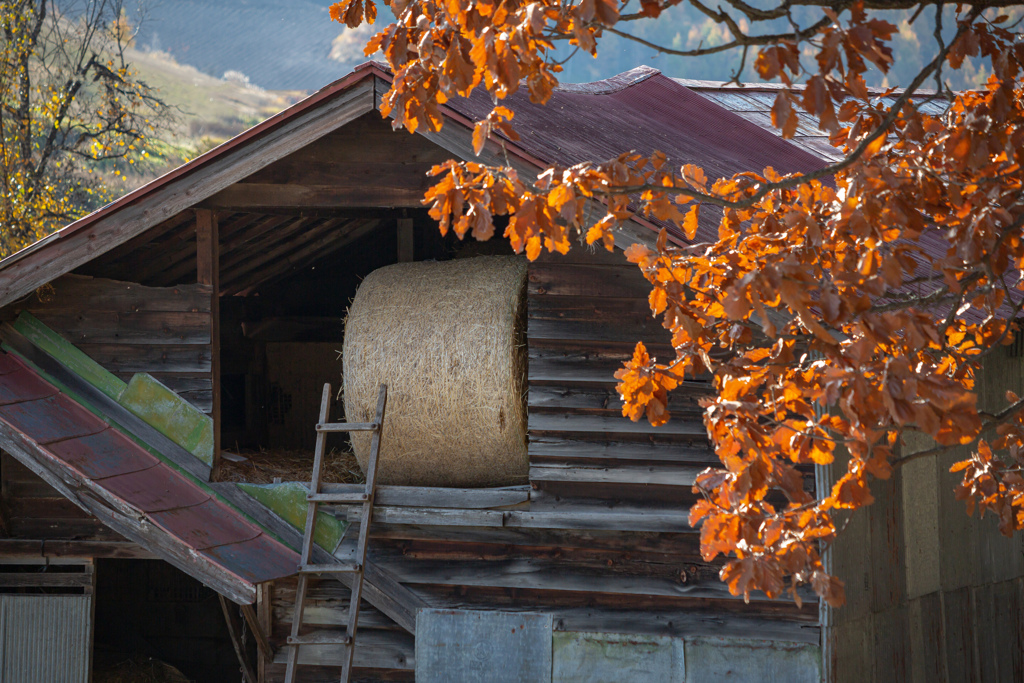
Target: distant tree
[(827, 326), (70, 110)]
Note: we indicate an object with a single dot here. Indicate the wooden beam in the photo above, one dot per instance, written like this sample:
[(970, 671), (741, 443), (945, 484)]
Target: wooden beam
[(305, 252), (262, 644), (318, 251), (26, 549), (423, 496), (46, 580), (171, 224), (123, 519), (236, 641), (265, 615), (270, 250), (374, 191), (405, 240), (182, 261), (256, 240), (208, 273)]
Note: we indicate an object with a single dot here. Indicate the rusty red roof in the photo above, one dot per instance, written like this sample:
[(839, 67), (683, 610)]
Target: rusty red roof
[(644, 110), (56, 433), (641, 110)]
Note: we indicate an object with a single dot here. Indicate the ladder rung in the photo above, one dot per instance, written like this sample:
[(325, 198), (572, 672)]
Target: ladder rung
[(347, 427), (320, 638), (336, 568), (337, 498)]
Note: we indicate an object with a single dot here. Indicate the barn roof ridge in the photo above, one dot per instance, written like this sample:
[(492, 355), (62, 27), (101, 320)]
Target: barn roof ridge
[(636, 105)]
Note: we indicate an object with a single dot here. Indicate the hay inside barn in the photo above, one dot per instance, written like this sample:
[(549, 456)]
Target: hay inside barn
[(447, 339)]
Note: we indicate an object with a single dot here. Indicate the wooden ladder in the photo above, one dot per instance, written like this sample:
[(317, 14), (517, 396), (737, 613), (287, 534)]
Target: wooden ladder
[(315, 499)]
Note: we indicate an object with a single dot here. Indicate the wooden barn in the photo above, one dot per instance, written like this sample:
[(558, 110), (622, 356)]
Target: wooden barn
[(198, 317)]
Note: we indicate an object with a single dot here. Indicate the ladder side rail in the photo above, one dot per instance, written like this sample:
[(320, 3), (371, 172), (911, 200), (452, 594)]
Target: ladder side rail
[(307, 538), (364, 532)]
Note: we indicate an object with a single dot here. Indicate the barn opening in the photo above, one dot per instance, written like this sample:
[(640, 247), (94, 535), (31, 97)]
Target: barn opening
[(149, 617), (295, 240)]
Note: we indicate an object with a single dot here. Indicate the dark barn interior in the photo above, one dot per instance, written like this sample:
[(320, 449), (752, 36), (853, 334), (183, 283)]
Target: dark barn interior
[(288, 273)]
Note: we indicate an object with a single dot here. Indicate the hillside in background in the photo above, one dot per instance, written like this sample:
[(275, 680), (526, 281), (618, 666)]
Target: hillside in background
[(278, 45), (295, 46), (207, 111), (226, 65)]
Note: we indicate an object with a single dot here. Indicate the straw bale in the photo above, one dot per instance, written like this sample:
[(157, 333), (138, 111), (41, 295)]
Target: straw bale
[(448, 340)]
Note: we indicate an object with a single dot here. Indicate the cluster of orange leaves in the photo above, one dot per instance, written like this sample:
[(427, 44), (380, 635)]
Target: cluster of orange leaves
[(827, 327)]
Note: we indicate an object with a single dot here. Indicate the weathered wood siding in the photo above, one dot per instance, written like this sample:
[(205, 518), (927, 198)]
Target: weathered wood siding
[(602, 543), (32, 509), (593, 570), (363, 164), (932, 593), (586, 313), (129, 328)]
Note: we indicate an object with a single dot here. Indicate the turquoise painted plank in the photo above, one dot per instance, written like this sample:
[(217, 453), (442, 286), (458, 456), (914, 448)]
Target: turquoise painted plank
[(69, 355), (288, 501), (170, 414)]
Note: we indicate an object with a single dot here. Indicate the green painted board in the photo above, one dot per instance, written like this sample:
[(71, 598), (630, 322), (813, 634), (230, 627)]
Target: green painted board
[(170, 414), (288, 501), (69, 355)]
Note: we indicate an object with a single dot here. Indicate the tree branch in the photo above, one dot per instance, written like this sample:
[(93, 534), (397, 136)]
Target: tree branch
[(999, 418)]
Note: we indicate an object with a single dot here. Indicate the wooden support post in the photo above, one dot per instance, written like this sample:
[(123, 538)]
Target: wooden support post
[(256, 629), (264, 615), (405, 240), (208, 273), (236, 641)]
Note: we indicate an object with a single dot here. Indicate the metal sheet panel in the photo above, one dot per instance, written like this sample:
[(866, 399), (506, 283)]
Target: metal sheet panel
[(644, 111), (613, 657), (717, 660), (469, 646), (45, 638)]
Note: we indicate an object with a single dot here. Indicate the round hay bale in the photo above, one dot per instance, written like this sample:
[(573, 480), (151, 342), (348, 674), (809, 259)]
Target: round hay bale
[(448, 340)]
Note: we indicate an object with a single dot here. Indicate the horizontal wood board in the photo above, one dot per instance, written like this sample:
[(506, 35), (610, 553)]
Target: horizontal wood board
[(129, 328), (586, 311)]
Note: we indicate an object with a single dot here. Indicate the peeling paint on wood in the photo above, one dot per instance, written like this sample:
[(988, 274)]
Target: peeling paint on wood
[(171, 415), (68, 354), (288, 500)]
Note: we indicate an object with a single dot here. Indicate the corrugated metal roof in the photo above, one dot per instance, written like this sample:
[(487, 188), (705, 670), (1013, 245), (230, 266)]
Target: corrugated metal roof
[(640, 109), (754, 102), (643, 110), (722, 128), (87, 448)]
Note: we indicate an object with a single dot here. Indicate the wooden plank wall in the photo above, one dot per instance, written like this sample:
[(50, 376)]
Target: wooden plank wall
[(939, 596), (129, 328), (590, 581), (382, 169), (602, 542), (32, 509), (587, 310)]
